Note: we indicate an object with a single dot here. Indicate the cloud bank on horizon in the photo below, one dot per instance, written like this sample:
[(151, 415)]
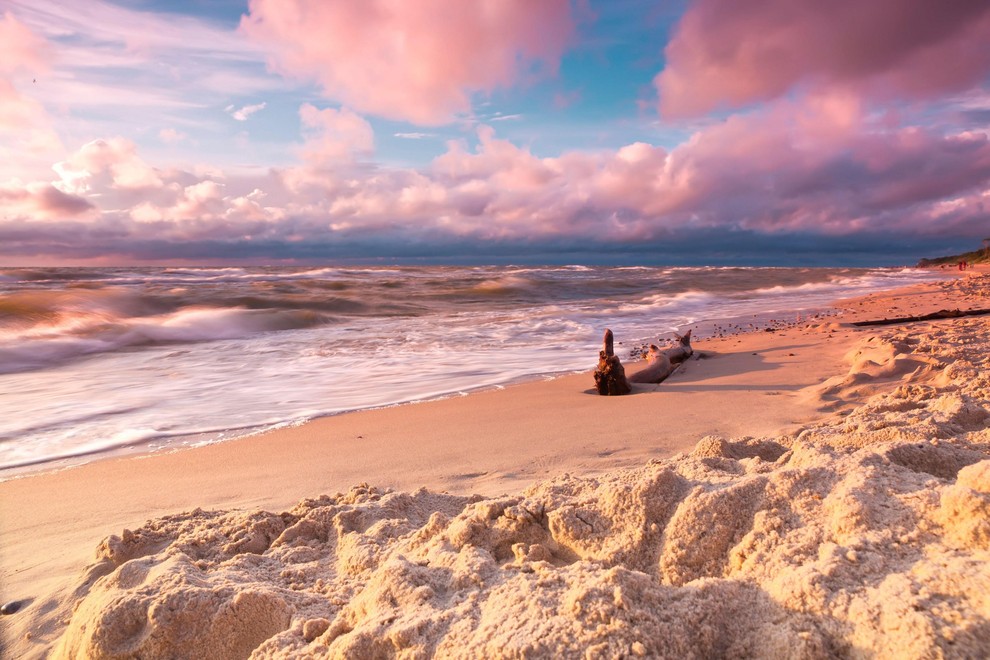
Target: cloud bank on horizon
[(307, 130)]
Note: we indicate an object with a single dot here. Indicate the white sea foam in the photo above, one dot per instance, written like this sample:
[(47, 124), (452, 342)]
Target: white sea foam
[(199, 324), (80, 333)]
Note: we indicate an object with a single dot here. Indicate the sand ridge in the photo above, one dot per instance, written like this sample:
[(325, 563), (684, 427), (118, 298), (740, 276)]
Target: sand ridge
[(865, 533)]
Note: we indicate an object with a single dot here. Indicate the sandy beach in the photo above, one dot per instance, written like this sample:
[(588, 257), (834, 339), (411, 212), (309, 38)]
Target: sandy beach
[(820, 490)]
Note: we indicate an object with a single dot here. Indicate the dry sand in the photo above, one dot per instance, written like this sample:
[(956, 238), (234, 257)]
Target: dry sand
[(819, 491)]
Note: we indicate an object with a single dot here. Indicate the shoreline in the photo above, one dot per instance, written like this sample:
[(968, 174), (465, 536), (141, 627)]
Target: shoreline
[(719, 328), (156, 423), (488, 443)]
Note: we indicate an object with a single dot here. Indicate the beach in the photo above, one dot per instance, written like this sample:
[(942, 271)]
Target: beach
[(501, 329), (808, 489)]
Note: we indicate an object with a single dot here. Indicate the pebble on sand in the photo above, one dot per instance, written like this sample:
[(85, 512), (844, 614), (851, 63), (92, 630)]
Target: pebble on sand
[(12, 607)]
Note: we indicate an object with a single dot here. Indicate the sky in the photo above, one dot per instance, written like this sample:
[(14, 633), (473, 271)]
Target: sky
[(778, 132)]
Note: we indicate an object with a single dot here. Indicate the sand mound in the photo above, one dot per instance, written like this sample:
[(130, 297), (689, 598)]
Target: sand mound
[(869, 533)]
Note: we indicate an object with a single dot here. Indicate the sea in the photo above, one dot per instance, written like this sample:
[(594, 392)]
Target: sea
[(109, 360)]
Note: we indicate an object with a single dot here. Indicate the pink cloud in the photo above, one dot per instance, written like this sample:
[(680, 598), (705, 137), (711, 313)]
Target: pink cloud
[(415, 61), (23, 118), (112, 163), (334, 136), (819, 166), (41, 200), (807, 168), (728, 53), (20, 49), (28, 142), (171, 135), (203, 200)]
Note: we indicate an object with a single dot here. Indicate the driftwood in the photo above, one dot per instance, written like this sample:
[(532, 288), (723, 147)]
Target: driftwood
[(661, 364), (610, 376), (934, 316)]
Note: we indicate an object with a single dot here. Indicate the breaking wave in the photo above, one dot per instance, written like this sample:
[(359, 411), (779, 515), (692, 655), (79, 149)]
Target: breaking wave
[(58, 337)]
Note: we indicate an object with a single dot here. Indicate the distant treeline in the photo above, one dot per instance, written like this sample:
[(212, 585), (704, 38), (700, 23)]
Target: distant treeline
[(980, 256)]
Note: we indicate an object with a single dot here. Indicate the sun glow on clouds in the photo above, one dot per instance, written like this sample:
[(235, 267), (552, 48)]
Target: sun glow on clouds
[(417, 61), (827, 141), (728, 53), (105, 164), (25, 130), (22, 49), (334, 136)]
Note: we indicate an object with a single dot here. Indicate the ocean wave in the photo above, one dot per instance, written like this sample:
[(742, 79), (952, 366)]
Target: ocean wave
[(323, 303), (505, 284), (233, 275), (37, 424), (207, 324), (44, 307), (42, 275), (691, 297), (808, 287), (204, 271), (44, 344)]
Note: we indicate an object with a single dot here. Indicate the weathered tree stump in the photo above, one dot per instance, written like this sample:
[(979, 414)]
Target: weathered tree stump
[(610, 376)]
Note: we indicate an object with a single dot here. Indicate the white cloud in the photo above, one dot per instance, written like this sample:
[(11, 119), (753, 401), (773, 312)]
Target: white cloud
[(111, 164), (414, 136), (334, 136), (243, 113)]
